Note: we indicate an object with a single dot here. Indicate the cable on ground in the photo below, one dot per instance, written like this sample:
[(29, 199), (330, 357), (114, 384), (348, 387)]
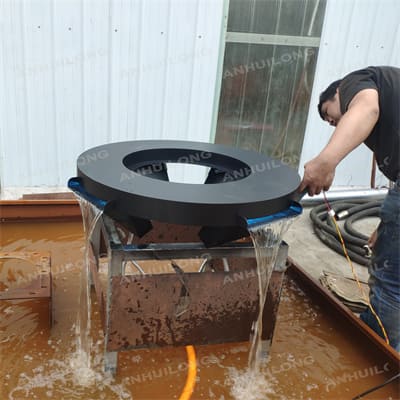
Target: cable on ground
[(331, 212), (348, 211)]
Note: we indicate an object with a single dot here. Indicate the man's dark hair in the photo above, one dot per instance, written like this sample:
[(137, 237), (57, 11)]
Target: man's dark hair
[(328, 94)]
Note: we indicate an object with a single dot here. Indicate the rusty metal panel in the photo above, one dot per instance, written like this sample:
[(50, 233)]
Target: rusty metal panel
[(271, 306), (342, 314), (163, 233), (21, 210), (95, 278), (162, 310), (38, 285), (143, 310)]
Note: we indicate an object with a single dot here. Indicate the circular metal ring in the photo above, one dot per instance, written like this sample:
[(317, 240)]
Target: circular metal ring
[(241, 184)]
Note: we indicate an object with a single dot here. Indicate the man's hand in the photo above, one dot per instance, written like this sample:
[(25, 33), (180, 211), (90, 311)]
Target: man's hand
[(318, 175)]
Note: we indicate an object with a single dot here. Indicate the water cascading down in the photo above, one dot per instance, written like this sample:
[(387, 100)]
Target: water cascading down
[(232, 223)]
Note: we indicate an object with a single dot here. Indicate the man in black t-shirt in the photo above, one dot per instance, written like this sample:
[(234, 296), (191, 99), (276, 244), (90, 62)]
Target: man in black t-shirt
[(364, 106)]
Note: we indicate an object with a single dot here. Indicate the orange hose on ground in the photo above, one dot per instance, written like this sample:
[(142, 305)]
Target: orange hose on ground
[(191, 375)]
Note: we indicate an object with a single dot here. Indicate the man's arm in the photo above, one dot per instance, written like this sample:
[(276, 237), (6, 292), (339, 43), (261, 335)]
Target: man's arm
[(353, 128)]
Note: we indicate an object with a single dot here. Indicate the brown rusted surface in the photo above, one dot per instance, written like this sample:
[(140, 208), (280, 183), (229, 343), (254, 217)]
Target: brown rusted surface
[(271, 305), (184, 306), (35, 286), (164, 233), (22, 210), (49, 196), (95, 279), (214, 307), (373, 342), (169, 233), (235, 263)]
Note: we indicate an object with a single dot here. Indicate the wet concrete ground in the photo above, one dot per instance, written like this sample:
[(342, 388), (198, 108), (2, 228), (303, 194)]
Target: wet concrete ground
[(314, 256)]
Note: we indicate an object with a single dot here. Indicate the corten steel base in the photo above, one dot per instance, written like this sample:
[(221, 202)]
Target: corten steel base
[(34, 286), (218, 304)]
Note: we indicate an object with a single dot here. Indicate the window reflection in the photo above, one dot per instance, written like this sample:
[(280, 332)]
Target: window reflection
[(266, 88)]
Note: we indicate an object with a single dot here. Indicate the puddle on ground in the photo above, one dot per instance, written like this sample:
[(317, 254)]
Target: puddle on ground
[(311, 357)]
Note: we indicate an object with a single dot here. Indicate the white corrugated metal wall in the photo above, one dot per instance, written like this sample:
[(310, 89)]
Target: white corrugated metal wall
[(356, 34), (78, 73)]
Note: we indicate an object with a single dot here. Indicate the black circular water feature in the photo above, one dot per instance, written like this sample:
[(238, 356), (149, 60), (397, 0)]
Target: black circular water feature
[(133, 176)]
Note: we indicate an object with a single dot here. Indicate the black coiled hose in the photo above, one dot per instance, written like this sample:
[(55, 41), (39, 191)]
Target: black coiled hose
[(349, 211)]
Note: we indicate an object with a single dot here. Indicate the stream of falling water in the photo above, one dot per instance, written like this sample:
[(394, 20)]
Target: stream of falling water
[(266, 239), (252, 383), (90, 216), (81, 370)]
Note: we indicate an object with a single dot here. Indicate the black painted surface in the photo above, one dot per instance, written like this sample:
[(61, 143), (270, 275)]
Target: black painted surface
[(241, 184)]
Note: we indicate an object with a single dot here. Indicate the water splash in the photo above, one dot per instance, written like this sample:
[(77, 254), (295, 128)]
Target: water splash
[(77, 370), (70, 378), (252, 384)]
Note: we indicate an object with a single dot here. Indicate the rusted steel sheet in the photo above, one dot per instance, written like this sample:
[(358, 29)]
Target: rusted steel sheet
[(271, 306), (95, 279), (164, 233), (168, 233), (201, 308), (49, 196), (373, 342), (22, 210), (36, 286)]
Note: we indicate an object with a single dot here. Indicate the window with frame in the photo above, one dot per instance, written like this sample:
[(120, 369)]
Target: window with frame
[(269, 64)]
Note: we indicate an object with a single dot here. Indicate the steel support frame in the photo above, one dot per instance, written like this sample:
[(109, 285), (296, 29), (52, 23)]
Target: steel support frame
[(129, 302)]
